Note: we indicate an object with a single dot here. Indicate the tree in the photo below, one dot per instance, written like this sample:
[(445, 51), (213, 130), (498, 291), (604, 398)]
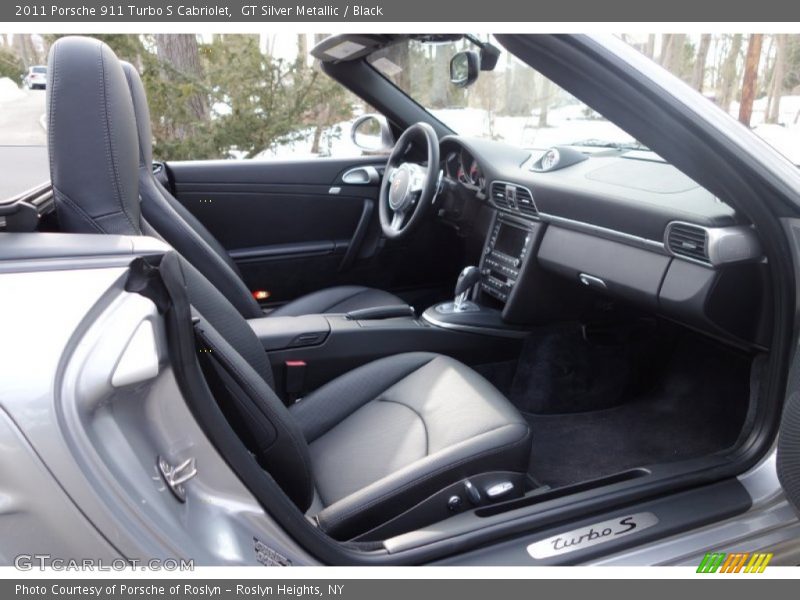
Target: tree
[(729, 74), (181, 59), (650, 47), (25, 49), (329, 101), (440, 85), (10, 64), (776, 83), (545, 98), (750, 78), (699, 70)]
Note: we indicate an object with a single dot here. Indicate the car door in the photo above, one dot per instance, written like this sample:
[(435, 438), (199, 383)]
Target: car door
[(296, 226)]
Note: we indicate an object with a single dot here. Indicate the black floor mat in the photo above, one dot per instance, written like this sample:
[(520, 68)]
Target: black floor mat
[(696, 406)]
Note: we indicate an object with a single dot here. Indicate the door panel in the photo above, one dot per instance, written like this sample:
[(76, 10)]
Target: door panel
[(295, 227)]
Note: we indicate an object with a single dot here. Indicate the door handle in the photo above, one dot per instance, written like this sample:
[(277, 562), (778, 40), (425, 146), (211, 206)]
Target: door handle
[(361, 176)]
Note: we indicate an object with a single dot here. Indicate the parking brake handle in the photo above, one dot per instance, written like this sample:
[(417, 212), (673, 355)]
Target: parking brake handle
[(381, 312)]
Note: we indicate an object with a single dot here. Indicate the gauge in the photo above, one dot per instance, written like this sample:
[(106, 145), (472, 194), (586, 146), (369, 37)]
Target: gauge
[(474, 173), (465, 165), (550, 159), (452, 165)]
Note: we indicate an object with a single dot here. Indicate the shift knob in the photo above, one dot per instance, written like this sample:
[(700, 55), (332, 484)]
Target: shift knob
[(465, 282)]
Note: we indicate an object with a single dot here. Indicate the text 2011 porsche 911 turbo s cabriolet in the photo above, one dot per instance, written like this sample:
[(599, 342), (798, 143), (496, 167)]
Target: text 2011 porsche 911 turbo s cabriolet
[(470, 351)]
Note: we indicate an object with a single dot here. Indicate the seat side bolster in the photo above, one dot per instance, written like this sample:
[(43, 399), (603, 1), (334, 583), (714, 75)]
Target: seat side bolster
[(257, 414), (505, 448), (186, 235)]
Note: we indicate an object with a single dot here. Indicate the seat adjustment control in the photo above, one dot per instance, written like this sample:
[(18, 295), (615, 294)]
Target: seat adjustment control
[(454, 503), (472, 492), (498, 490)]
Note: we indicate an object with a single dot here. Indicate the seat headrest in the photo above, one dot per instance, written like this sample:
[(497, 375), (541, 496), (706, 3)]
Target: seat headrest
[(92, 139), (142, 112)]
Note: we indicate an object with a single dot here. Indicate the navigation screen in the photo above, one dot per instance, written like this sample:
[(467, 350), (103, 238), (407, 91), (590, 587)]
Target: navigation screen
[(510, 240)]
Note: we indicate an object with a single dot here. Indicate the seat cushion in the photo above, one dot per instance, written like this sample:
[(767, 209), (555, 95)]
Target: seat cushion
[(340, 299), (384, 437)]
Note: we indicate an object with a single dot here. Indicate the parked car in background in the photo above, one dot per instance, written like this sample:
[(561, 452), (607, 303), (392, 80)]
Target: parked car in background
[(35, 78)]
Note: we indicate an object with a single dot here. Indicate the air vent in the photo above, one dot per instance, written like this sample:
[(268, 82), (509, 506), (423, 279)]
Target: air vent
[(513, 198), (525, 202), (687, 240), (499, 196)]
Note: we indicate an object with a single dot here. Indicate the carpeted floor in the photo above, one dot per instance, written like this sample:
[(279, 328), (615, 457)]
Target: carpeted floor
[(656, 401)]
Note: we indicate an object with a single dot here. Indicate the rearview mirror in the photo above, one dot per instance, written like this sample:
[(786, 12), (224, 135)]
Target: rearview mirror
[(372, 133), (464, 68)]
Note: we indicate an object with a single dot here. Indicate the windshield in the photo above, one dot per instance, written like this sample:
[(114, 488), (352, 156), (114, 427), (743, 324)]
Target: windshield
[(42, 70), (515, 104), (512, 103)]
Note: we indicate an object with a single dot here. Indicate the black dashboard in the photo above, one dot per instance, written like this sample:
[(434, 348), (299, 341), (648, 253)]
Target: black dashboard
[(621, 223)]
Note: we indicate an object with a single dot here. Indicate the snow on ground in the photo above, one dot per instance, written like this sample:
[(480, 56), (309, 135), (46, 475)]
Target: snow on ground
[(9, 90), (335, 141), (566, 125), (784, 136)]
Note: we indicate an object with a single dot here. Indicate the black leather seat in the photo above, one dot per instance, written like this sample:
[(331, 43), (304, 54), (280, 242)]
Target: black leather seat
[(184, 232), (352, 455)]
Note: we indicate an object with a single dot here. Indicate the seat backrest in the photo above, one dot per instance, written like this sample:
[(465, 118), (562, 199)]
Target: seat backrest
[(94, 168), (92, 140), (177, 225)]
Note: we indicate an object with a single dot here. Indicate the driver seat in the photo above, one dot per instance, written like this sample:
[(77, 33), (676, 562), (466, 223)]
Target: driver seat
[(184, 232)]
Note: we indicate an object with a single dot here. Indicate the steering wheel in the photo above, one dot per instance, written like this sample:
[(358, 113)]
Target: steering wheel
[(408, 188)]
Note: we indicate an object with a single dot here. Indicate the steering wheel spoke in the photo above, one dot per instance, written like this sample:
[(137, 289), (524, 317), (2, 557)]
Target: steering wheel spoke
[(418, 176), (397, 221)]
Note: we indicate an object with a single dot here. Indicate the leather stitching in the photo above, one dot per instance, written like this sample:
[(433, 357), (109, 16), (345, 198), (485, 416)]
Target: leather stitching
[(54, 87), (331, 426), (424, 424), (76, 209), (109, 135), (131, 85)]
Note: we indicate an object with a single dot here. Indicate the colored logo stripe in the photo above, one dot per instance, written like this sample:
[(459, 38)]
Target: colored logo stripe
[(714, 562), (711, 562), (758, 563)]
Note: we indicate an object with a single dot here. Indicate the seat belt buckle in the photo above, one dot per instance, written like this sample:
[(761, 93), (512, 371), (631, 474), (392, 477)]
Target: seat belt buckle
[(295, 379)]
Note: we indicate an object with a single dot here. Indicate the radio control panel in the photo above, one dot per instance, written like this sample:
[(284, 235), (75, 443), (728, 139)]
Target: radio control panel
[(504, 255)]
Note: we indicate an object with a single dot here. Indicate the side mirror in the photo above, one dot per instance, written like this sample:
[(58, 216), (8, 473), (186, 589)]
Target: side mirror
[(464, 68), (372, 133)]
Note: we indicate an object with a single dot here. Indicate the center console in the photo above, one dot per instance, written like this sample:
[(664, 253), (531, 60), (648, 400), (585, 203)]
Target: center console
[(308, 351), (484, 322), (508, 245)]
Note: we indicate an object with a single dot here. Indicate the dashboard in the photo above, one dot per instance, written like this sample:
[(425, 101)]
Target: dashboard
[(623, 224)]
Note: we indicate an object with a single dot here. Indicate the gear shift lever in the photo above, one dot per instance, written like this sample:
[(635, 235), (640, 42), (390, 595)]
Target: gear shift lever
[(464, 284)]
